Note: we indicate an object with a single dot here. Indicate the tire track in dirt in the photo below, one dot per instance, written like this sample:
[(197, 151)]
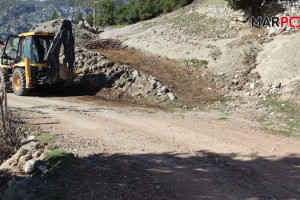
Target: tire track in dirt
[(193, 155)]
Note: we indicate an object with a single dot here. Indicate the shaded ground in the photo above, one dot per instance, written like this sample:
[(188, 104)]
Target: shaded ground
[(189, 84), (205, 175)]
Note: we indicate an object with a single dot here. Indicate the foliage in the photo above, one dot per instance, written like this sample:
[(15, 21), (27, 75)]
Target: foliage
[(118, 12), (168, 6), (252, 7), (54, 15), (243, 4), (146, 10), (89, 18), (59, 159), (109, 12), (46, 138), (78, 16), (106, 13)]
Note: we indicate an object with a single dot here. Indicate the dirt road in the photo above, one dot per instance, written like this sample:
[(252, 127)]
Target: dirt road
[(191, 155)]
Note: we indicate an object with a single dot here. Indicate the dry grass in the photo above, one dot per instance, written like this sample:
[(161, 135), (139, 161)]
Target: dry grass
[(10, 140)]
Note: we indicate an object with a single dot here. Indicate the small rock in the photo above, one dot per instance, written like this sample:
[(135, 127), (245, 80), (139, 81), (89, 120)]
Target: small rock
[(171, 96), (29, 166), (22, 152), (276, 85), (159, 85), (80, 24), (252, 86), (41, 166), (37, 154), (273, 148), (105, 63), (164, 89), (24, 159), (153, 83), (135, 74), (138, 93), (234, 82), (31, 137), (242, 19)]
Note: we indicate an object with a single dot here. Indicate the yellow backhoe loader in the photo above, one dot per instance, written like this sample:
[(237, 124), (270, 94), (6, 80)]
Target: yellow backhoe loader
[(32, 59)]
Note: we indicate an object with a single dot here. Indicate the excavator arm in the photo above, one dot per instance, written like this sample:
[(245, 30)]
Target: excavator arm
[(64, 37)]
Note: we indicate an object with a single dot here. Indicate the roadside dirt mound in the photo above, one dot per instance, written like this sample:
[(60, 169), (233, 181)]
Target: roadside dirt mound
[(104, 44), (116, 81), (191, 85)]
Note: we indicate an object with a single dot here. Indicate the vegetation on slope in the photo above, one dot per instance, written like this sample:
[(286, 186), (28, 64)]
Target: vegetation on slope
[(115, 12)]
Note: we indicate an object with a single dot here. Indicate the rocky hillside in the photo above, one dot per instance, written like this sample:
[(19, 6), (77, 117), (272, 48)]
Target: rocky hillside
[(12, 16)]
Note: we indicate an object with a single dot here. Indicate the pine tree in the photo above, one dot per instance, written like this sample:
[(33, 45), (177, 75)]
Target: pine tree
[(251, 7), (169, 6), (146, 10), (106, 12)]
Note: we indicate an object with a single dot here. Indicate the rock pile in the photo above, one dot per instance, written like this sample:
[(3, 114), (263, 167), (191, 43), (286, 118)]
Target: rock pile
[(104, 44), (87, 26), (27, 159), (98, 73)]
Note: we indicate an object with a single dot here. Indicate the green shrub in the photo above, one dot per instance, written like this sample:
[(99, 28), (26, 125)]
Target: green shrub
[(78, 16), (54, 15)]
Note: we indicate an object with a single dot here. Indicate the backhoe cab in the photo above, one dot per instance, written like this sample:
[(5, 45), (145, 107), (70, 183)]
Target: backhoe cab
[(32, 59)]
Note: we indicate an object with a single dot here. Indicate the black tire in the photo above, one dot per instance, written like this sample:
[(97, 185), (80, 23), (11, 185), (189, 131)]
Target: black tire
[(19, 82), (4, 78)]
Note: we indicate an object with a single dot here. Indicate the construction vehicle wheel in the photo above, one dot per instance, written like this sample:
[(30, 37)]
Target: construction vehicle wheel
[(4, 78), (19, 82)]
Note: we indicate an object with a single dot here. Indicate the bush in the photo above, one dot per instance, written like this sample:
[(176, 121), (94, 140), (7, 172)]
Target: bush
[(184, 2), (78, 16), (106, 13), (251, 7), (146, 10), (89, 19), (54, 15), (169, 6)]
